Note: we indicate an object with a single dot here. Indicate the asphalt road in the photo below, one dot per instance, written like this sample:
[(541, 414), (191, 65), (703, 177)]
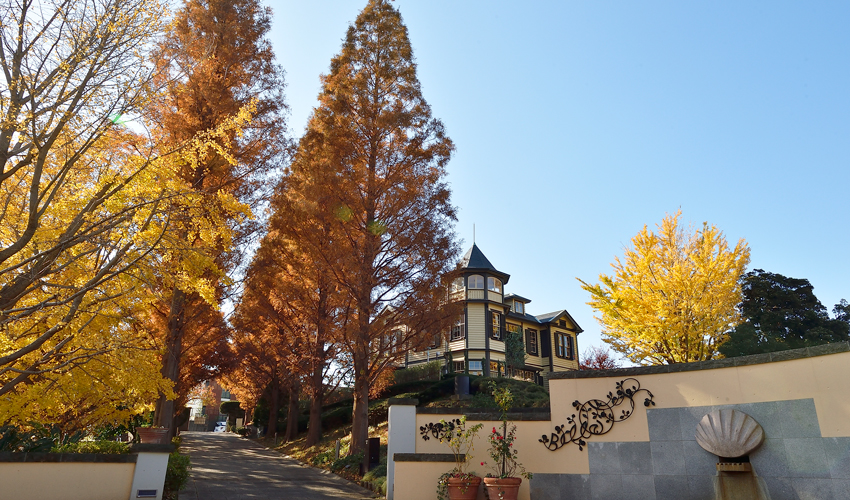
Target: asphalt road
[(228, 467)]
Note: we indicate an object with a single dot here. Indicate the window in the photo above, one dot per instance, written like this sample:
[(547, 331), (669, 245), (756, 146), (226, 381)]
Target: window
[(514, 329), (531, 341), (496, 329), (494, 285), (496, 369), (519, 307), (436, 342), (457, 285), (458, 331), (458, 366), (475, 366), (564, 346), (475, 282)]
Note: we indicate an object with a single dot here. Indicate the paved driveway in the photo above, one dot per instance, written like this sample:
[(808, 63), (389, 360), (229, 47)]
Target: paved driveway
[(227, 467)]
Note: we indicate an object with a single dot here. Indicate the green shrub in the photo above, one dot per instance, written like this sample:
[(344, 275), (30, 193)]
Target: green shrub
[(38, 438), (336, 417), (351, 462), (323, 458), (105, 447), (377, 472), (176, 475), (425, 371)]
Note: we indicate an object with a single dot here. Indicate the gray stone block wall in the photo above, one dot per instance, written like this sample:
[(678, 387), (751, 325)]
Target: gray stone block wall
[(795, 462)]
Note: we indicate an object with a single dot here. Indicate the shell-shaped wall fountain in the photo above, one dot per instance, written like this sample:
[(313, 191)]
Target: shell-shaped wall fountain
[(729, 433)]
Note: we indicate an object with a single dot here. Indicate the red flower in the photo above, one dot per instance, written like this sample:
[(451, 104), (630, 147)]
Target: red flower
[(482, 463)]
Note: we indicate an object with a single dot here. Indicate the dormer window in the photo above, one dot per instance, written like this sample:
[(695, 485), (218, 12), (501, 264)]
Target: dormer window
[(475, 282), (494, 285), (519, 307)]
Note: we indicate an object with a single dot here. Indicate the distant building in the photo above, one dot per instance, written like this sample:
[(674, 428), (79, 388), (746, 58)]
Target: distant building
[(475, 345), (205, 406)]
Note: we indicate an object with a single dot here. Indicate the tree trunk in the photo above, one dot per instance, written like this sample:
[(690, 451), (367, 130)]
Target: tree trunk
[(274, 405), (292, 414), (360, 413), (317, 392), (164, 416)]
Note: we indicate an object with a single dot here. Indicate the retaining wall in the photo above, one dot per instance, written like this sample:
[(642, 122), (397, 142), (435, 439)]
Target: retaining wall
[(797, 396), (84, 476)]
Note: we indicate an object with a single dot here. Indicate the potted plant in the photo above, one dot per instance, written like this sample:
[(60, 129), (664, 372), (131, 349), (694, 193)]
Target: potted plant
[(504, 484), (150, 434), (458, 483)]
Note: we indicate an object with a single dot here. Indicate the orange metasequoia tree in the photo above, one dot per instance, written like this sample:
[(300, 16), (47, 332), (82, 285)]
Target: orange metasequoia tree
[(214, 62), (379, 159)]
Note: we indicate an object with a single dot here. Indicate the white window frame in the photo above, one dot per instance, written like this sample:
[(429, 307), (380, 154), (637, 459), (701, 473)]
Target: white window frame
[(458, 330), (457, 285), (473, 283), (494, 288)]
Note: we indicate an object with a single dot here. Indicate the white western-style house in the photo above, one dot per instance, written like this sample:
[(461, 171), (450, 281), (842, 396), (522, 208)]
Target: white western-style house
[(475, 345)]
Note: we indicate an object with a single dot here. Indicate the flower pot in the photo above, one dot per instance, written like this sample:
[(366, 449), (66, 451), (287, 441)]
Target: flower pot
[(462, 488), (152, 435), (502, 488)]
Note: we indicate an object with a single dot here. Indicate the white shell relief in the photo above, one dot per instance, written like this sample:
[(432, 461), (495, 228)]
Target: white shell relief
[(729, 433)]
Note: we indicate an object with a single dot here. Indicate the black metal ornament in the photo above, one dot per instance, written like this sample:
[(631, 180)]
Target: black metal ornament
[(596, 417)]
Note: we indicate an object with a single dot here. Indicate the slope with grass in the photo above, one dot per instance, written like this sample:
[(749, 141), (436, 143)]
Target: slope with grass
[(336, 422)]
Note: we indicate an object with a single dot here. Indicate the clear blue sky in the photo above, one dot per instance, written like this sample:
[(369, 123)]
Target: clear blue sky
[(576, 123)]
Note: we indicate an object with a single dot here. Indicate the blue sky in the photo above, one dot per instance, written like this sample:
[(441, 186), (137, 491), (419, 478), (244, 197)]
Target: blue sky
[(577, 123)]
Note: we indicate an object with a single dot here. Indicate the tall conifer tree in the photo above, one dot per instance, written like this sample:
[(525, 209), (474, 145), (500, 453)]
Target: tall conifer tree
[(381, 158), (214, 62)]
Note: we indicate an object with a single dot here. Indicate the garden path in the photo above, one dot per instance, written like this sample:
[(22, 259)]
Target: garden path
[(227, 467)]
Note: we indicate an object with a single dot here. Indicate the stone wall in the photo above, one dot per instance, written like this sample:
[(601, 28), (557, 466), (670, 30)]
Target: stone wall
[(794, 461)]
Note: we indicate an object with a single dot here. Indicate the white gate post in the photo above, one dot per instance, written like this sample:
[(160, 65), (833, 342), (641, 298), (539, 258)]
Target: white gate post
[(401, 434)]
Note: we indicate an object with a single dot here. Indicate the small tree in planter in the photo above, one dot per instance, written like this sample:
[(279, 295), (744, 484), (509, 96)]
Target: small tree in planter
[(458, 483), (504, 484)]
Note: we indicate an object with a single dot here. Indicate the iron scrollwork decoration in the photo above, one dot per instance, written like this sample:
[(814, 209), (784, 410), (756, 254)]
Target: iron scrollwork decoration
[(596, 417), (441, 430)]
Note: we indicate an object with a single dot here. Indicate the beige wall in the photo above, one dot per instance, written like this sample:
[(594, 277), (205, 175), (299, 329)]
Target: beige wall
[(475, 326), (821, 378), (66, 481), (419, 480), (530, 451)]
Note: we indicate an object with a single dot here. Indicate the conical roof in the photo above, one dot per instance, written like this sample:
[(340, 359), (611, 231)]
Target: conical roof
[(475, 259)]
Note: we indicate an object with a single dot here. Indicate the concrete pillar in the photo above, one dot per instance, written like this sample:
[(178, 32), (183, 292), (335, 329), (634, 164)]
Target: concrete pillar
[(401, 434), (149, 474)]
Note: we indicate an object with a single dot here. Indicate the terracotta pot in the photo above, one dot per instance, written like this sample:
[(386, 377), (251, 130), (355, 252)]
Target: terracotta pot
[(152, 435), (502, 489), (463, 488)]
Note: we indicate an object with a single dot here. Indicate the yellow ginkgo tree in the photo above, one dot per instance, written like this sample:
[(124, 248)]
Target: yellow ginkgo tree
[(673, 296), (87, 209)]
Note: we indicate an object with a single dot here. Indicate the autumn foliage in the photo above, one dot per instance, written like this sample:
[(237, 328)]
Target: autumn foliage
[(88, 205), (674, 296)]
